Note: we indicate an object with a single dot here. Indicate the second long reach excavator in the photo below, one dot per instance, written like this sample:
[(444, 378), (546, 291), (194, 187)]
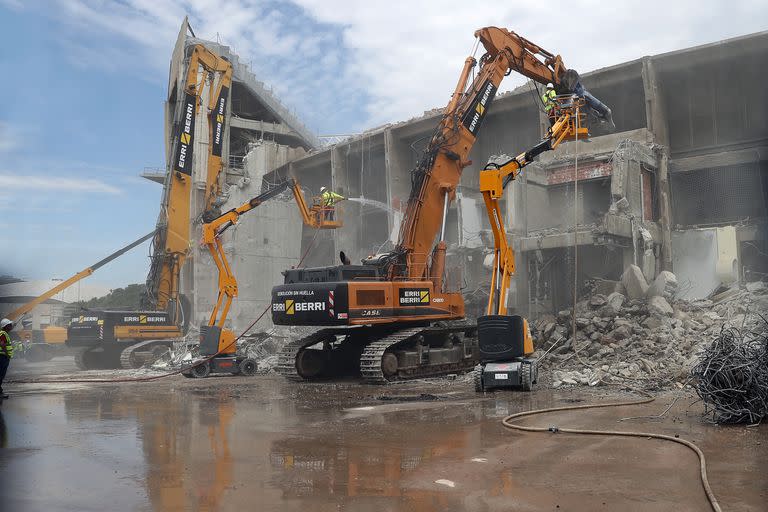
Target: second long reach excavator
[(393, 317), (114, 339)]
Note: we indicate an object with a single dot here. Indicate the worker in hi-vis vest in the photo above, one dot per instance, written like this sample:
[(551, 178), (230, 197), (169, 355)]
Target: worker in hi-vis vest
[(6, 351), (548, 98), (330, 198)]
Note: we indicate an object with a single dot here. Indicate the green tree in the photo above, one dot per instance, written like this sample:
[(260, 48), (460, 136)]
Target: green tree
[(120, 298)]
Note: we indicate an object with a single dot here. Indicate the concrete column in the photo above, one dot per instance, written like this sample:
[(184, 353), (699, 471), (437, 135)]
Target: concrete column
[(338, 179), (543, 123), (389, 163), (655, 113), (522, 295), (665, 212)]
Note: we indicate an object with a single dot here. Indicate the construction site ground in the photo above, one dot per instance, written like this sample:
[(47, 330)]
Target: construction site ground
[(262, 443)]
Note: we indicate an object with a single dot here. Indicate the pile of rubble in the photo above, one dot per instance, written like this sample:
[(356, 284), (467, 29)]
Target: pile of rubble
[(263, 346), (640, 334)]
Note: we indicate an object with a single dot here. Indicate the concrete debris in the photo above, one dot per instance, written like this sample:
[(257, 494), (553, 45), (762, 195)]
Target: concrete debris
[(665, 285), (634, 282), (597, 300), (613, 304), (658, 305), (649, 342), (261, 346)]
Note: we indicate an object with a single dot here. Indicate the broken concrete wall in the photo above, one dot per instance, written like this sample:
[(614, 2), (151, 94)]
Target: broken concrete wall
[(703, 260), (266, 241)]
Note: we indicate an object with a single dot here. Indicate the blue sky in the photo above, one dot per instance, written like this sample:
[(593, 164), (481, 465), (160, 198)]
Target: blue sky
[(84, 83)]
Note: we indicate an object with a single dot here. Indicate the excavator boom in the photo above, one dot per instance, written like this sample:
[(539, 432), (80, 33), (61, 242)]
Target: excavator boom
[(129, 338), (215, 339), (172, 241), (447, 153), (26, 308)]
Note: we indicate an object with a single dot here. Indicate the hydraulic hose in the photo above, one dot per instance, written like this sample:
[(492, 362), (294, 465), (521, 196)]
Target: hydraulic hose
[(507, 422)]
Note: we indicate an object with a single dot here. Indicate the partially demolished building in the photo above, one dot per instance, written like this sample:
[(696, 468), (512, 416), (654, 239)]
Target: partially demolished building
[(681, 184)]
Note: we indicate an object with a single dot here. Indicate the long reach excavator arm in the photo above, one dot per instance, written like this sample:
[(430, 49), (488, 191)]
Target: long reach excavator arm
[(501, 171), (19, 312), (215, 338), (172, 241), (438, 173)]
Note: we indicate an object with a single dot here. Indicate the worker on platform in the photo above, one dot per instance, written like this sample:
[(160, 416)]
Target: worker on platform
[(548, 98), (330, 198), (6, 351)]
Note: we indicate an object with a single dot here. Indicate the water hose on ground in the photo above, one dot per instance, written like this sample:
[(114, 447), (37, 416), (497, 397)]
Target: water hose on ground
[(507, 422)]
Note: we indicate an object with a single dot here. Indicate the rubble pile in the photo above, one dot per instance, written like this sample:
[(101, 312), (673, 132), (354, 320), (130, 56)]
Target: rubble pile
[(640, 334), (263, 346)]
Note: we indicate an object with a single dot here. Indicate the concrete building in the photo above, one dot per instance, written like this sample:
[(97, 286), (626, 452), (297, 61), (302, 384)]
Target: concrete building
[(688, 156), (260, 134), (688, 153)]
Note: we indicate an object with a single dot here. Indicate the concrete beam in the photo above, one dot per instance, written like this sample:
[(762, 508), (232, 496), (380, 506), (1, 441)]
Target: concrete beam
[(596, 148), (721, 159), (752, 232), (556, 241), (261, 126), (614, 226)]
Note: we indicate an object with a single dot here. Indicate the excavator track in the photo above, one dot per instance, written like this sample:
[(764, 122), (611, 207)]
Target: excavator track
[(375, 352), (286, 362), (95, 358), (129, 357), (373, 358)]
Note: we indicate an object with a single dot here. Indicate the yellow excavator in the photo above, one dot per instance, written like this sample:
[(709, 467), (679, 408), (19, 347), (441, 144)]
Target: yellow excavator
[(218, 343), (504, 340), (42, 344), (128, 339)]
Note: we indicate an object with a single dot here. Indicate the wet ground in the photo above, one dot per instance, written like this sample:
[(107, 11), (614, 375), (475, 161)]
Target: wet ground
[(261, 443)]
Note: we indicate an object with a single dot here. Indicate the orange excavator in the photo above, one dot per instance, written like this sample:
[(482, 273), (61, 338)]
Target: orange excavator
[(128, 339), (393, 316), (218, 343)]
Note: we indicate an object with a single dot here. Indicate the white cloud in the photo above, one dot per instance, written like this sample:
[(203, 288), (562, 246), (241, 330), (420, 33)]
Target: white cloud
[(402, 56), (51, 183), (408, 54)]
